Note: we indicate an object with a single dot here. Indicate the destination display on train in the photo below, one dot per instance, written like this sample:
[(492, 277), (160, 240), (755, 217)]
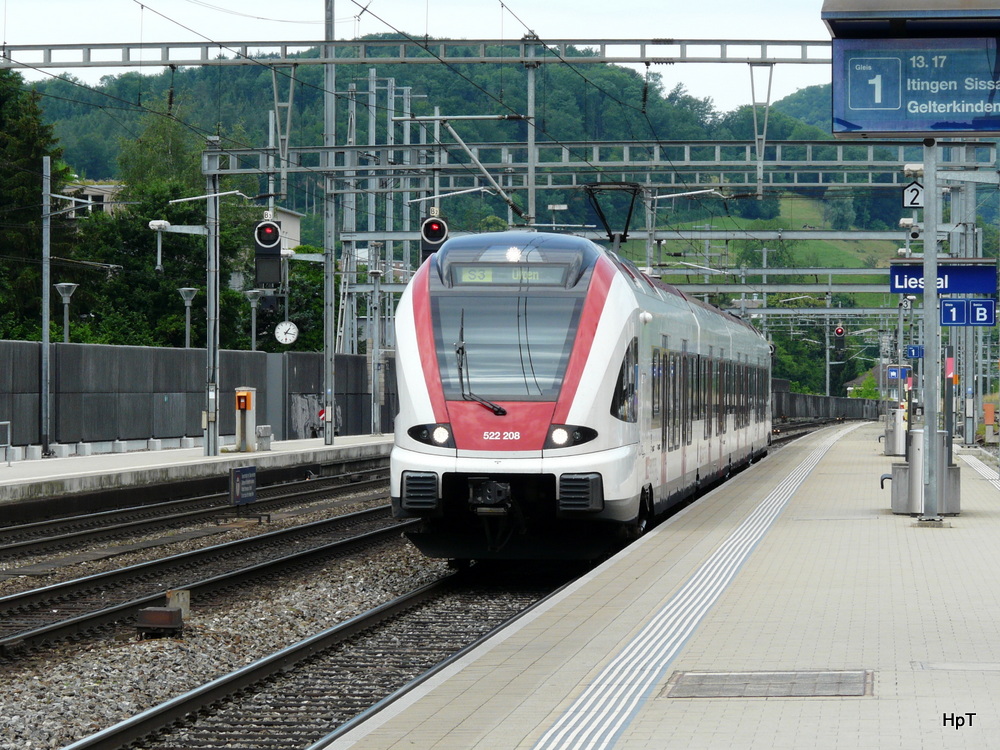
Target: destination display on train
[(915, 87), (509, 274)]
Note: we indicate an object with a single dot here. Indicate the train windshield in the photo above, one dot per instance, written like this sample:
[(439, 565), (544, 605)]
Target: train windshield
[(508, 347)]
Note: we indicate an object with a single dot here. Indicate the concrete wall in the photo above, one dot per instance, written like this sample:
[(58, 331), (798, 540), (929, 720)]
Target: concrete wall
[(106, 393), (808, 406)]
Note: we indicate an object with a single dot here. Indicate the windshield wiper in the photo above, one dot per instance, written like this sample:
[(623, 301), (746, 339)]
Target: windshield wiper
[(467, 394)]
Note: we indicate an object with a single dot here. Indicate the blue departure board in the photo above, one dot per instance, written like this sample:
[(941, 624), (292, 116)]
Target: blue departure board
[(915, 87)]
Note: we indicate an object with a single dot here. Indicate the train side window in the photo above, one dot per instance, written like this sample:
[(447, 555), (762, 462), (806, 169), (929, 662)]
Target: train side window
[(664, 400), (711, 406), (668, 399), (744, 393), (747, 395), (688, 402), (733, 389), (699, 384), (730, 391), (761, 393), (655, 387), (624, 401), (721, 398), (673, 389), (741, 393), (685, 397)]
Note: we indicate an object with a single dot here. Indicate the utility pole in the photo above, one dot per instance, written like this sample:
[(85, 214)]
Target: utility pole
[(329, 235), (46, 299), (932, 337), (211, 434)]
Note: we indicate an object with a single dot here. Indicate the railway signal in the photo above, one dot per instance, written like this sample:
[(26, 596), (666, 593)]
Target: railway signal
[(433, 233), (267, 237), (838, 340), (267, 253)]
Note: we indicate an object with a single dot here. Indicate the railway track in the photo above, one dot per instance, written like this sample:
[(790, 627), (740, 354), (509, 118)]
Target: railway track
[(31, 619), (787, 431), (72, 531), (320, 687)]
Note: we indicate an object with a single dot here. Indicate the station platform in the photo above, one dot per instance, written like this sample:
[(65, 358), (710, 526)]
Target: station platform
[(27, 480), (788, 608)]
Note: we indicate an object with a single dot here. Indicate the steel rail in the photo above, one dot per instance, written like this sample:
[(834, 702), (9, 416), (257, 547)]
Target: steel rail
[(159, 717), (102, 581), (66, 531)]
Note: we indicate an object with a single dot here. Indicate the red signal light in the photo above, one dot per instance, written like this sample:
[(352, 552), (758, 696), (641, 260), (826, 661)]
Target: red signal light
[(839, 331), (433, 232), (267, 237)]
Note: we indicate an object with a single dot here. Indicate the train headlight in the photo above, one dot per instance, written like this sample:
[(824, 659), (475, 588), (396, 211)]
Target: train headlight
[(567, 436), (438, 435)]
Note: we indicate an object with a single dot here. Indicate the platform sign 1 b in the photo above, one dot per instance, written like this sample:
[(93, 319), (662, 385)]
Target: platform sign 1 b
[(968, 312), (982, 312)]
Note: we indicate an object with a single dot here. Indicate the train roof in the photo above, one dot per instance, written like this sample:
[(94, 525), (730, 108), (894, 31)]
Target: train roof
[(550, 246), (656, 283)]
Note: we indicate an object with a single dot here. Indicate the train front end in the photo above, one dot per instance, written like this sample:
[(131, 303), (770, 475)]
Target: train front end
[(499, 446)]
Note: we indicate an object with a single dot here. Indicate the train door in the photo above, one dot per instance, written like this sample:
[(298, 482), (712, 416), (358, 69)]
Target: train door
[(658, 433), (687, 410)]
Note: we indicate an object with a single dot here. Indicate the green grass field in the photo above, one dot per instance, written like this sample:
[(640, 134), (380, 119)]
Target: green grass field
[(796, 213)]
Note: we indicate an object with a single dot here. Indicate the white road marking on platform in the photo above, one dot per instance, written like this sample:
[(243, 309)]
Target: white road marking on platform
[(983, 469), (604, 709)]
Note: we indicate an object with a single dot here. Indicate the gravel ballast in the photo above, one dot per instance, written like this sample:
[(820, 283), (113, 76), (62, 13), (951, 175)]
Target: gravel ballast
[(51, 699)]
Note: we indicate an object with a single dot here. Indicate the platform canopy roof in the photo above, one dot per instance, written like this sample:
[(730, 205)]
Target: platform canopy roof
[(886, 19)]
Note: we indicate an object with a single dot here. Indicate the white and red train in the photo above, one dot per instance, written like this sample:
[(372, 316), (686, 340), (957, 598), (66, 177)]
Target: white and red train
[(553, 398)]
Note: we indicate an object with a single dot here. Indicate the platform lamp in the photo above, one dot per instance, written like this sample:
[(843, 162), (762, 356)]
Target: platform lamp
[(66, 291), (187, 294), (254, 296)]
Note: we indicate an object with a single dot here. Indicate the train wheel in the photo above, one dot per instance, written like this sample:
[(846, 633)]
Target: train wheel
[(644, 520)]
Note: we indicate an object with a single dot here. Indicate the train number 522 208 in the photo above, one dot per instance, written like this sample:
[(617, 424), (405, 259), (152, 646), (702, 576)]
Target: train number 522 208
[(497, 435)]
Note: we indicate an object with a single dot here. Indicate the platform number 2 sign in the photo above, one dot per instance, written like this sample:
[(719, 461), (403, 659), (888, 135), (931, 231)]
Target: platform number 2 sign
[(913, 195)]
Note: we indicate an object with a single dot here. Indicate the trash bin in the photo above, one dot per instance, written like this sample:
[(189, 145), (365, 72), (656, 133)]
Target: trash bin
[(895, 433), (949, 502)]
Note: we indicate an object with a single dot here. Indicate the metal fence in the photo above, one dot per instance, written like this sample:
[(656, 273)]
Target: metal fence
[(104, 393), (786, 405)]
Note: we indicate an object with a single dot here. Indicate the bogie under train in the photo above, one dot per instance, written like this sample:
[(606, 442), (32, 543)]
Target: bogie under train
[(553, 398)]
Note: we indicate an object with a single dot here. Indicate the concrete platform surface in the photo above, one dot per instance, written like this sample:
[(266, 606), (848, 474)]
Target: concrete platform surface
[(789, 608), (45, 477)]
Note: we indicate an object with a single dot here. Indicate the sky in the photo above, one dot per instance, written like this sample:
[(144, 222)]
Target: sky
[(728, 85)]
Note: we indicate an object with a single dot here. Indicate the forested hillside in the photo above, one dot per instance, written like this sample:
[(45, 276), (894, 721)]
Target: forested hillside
[(811, 105), (147, 130), (591, 102)]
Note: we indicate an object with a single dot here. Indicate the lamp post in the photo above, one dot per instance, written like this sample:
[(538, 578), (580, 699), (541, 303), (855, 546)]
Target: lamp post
[(210, 231), (187, 294), (254, 296), (66, 291)]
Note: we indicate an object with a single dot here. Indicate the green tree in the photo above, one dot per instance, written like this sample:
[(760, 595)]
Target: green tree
[(838, 211), (867, 389), (24, 140), (137, 303)]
